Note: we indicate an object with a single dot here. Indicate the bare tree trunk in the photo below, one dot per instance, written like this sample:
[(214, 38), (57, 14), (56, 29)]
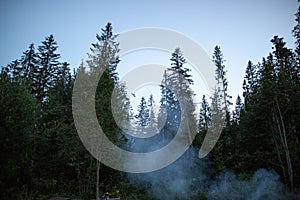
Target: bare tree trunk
[(282, 133), (278, 152), (97, 179), (89, 181)]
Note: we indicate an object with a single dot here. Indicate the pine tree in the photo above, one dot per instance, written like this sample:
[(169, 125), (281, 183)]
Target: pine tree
[(29, 63), (204, 116), (121, 108), (47, 72), (57, 130), (142, 118), (236, 131), (221, 78), (21, 70), (104, 59), (203, 122), (296, 34), (250, 82), (220, 152), (220, 101), (184, 111), (105, 53), (238, 110), (152, 117), (169, 107), (164, 109), (177, 64), (14, 70), (283, 96)]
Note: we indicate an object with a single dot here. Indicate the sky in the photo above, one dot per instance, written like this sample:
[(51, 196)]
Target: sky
[(243, 29)]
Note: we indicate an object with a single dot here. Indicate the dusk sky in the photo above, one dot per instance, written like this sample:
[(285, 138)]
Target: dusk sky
[(243, 29)]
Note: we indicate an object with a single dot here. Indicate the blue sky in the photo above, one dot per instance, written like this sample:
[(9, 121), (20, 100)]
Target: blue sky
[(243, 29)]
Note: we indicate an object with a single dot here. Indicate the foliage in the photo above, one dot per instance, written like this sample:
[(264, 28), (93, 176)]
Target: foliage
[(42, 155)]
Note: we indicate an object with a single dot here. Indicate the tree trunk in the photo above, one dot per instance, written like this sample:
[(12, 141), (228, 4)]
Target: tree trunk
[(283, 140), (278, 152), (97, 179)]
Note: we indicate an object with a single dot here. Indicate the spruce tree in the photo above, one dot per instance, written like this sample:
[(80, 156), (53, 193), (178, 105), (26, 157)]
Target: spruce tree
[(180, 81), (220, 102), (169, 106), (296, 34), (14, 70), (104, 59), (203, 122), (218, 59), (151, 108), (142, 118), (238, 110), (204, 116), (29, 63), (47, 72), (250, 82)]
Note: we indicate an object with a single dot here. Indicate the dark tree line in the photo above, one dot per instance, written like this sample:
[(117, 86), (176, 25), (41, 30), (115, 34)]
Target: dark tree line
[(42, 154), (263, 130)]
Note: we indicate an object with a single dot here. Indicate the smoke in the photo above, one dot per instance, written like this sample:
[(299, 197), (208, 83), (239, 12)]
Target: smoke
[(264, 184), (191, 178), (182, 179)]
